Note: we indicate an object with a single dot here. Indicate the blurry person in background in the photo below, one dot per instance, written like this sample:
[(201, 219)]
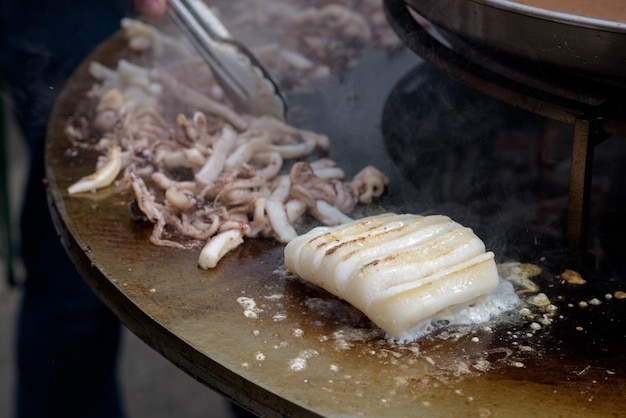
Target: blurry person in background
[(67, 340)]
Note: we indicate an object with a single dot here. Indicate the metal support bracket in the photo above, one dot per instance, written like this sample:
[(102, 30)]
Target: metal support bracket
[(587, 134)]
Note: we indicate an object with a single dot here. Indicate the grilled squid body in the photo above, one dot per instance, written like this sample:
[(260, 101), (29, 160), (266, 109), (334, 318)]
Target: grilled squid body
[(398, 269)]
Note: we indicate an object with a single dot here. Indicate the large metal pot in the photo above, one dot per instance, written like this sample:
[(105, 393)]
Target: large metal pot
[(576, 38)]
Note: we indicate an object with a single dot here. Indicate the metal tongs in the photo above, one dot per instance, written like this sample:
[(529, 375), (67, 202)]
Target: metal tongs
[(240, 73)]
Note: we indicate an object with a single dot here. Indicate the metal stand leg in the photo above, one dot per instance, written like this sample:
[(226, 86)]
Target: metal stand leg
[(586, 136), (580, 180)]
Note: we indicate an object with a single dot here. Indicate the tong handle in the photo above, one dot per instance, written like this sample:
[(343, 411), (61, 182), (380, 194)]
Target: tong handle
[(208, 19), (234, 66), (204, 39)]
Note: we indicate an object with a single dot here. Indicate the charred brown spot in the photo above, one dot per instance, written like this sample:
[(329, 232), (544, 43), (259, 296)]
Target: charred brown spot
[(332, 250), (373, 263)]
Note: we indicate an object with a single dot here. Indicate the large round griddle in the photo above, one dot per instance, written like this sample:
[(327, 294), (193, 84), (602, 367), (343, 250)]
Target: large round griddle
[(582, 36), (296, 359)]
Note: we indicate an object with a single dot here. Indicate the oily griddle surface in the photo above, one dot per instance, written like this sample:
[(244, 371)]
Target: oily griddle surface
[(301, 351)]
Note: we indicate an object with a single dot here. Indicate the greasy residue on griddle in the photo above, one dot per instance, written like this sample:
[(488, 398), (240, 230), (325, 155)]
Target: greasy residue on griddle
[(446, 355), (517, 345)]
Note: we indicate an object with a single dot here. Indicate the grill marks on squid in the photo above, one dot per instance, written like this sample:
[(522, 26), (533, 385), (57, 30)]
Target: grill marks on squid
[(421, 264)]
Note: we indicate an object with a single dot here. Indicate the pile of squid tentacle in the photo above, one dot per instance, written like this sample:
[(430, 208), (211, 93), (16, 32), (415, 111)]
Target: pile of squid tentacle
[(206, 176)]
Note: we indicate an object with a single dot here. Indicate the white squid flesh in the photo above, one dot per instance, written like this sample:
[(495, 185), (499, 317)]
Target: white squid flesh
[(397, 269), (103, 177)]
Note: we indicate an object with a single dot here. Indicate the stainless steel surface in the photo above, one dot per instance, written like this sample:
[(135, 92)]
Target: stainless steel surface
[(580, 43), (294, 360), (239, 72)]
